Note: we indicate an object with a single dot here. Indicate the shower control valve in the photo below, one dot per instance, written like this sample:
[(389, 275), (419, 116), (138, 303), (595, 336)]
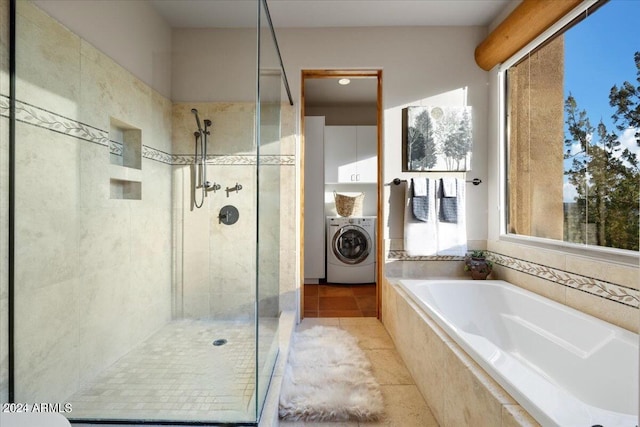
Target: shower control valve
[(228, 215)]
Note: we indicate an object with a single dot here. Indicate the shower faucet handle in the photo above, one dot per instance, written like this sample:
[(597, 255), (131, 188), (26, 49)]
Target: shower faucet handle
[(212, 186), (235, 188)]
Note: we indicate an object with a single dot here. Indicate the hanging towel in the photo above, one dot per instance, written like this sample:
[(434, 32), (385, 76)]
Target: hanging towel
[(448, 200), (420, 199), (452, 236), (449, 187), (420, 237)]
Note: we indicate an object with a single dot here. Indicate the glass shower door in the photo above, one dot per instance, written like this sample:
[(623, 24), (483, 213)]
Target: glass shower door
[(130, 304), (268, 201)]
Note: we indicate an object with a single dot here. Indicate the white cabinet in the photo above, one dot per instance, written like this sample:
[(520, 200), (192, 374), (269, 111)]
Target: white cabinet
[(314, 216), (350, 154)]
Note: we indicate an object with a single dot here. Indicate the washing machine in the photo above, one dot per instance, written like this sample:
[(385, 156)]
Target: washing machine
[(351, 249)]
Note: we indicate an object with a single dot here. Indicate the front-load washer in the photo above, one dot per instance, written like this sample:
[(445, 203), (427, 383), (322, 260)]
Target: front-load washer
[(351, 249)]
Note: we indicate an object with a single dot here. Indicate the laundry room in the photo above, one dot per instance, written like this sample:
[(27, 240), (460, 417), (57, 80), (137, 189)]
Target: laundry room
[(340, 193)]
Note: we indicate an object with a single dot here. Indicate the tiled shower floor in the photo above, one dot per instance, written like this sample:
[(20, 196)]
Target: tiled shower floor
[(178, 374)]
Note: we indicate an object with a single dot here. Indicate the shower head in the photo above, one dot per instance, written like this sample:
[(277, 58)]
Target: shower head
[(195, 112)]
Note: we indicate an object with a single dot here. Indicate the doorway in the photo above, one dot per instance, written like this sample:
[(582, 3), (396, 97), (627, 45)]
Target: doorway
[(341, 128)]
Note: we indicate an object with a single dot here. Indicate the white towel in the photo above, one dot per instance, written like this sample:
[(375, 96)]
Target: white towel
[(452, 237), (420, 238), (419, 187), (449, 187)]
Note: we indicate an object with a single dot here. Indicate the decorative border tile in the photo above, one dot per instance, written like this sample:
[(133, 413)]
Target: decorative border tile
[(401, 255), (155, 154), (236, 160), (45, 119), (115, 148), (600, 288)]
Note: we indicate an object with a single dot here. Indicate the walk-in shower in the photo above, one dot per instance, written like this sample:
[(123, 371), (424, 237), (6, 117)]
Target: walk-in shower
[(124, 300)]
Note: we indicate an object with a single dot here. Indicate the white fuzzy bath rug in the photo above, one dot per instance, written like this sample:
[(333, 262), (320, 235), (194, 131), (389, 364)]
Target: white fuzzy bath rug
[(328, 378)]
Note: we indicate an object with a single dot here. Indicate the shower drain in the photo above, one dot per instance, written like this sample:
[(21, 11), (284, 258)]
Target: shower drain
[(219, 342)]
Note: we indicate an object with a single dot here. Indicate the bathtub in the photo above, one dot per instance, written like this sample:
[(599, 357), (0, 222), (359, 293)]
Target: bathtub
[(564, 367)]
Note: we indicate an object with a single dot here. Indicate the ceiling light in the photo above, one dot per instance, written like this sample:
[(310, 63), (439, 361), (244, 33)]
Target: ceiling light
[(344, 81)]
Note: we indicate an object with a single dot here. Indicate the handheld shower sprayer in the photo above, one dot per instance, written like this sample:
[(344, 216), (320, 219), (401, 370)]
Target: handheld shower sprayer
[(195, 113), (201, 139)]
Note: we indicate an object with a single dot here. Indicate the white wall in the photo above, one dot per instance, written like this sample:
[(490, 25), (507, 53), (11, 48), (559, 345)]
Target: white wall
[(132, 33), (421, 66), (210, 64)]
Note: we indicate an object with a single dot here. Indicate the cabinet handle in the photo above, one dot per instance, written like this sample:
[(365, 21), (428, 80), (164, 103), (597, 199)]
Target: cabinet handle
[(353, 177), (358, 177)]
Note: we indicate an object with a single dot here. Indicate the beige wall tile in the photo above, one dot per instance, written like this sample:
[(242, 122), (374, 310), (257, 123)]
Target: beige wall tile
[(47, 61), (108, 90), (534, 284), (609, 311), (46, 353), (611, 272)]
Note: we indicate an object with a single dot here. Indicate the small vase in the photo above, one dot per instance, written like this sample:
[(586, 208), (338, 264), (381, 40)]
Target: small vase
[(479, 274), (479, 268)]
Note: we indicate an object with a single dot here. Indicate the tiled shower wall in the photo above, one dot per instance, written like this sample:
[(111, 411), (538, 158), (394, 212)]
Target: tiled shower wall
[(225, 288), (93, 274)]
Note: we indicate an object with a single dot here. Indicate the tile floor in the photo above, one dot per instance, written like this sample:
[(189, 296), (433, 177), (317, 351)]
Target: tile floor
[(334, 300), (404, 405), (177, 374)]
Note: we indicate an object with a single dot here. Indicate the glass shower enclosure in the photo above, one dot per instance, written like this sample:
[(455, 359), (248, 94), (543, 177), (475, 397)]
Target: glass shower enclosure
[(137, 293)]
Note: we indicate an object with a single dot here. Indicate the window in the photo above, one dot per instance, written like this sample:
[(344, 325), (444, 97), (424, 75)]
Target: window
[(573, 132)]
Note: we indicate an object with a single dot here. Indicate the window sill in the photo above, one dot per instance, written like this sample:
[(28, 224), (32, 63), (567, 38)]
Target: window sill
[(619, 256)]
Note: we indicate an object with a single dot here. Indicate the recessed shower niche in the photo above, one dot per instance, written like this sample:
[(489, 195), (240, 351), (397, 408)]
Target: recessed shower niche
[(125, 155)]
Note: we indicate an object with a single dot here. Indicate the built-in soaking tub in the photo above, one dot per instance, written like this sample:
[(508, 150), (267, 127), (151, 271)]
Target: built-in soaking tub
[(564, 367)]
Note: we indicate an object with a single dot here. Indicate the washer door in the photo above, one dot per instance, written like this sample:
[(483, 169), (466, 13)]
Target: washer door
[(351, 244)]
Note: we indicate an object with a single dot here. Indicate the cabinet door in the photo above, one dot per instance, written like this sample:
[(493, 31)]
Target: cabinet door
[(340, 154), (367, 153), (314, 219)]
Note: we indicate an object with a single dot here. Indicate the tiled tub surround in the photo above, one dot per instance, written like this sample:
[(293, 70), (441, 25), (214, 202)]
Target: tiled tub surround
[(609, 291), (566, 368)]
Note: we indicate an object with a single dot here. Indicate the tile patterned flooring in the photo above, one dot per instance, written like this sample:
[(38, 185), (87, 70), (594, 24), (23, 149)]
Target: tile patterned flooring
[(334, 300), (404, 405), (177, 374)]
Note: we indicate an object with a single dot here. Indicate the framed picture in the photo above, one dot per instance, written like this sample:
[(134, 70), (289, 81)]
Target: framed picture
[(436, 139)]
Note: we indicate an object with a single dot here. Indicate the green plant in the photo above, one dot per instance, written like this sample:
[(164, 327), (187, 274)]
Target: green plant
[(478, 253)]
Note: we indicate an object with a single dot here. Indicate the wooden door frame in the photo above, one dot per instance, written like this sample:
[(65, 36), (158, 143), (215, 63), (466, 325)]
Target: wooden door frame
[(352, 74)]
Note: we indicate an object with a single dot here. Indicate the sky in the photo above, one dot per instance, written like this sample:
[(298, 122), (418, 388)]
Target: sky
[(599, 54)]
